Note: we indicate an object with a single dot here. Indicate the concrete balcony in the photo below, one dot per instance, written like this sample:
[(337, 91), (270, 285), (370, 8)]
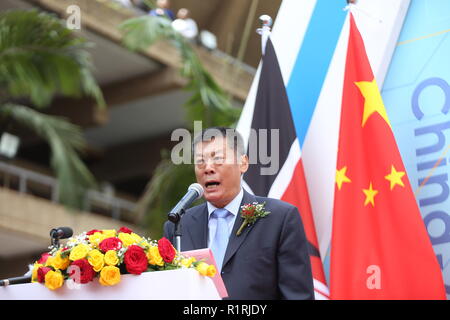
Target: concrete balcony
[(29, 210)]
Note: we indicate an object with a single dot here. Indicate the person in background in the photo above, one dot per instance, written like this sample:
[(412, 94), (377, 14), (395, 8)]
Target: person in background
[(185, 25), (125, 3), (162, 10)]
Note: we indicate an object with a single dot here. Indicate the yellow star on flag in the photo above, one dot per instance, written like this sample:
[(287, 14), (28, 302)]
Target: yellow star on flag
[(373, 101), (395, 178), (370, 195), (341, 177)]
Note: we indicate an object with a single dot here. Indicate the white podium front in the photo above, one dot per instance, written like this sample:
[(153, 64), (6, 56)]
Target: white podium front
[(182, 284)]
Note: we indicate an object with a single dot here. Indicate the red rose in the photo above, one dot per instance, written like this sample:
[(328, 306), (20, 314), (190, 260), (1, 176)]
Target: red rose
[(81, 271), (110, 244), (166, 250), (135, 260), (93, 231), (42, 271), (249, 210), (44, 258), (125, 230)]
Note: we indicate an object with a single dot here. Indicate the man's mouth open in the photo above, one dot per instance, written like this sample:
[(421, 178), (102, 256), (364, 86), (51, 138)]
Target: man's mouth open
[(211, 185)]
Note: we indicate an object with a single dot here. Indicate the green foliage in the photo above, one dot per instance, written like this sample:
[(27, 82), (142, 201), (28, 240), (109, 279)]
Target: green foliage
[(39, 59), (208, 103)]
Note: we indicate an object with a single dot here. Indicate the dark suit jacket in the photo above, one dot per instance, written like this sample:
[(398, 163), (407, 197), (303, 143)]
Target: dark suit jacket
[(269, 260)]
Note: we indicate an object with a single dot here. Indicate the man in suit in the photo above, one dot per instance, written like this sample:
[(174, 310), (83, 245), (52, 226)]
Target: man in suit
[(269, 259)]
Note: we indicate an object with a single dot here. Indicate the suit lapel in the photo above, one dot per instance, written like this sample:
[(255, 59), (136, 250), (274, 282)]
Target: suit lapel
[(196, 226), (235, 241)]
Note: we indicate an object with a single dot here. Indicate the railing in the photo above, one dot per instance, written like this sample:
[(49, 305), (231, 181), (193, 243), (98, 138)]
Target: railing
[(95, 201)]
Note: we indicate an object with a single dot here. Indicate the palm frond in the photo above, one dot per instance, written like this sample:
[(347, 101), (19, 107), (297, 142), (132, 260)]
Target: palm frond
[(40, 57), (207, 97), (65, 140)]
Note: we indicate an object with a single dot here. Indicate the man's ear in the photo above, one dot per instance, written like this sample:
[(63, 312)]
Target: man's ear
[(243, 165)]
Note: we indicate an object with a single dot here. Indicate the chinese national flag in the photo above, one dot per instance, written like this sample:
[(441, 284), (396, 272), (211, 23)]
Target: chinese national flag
[(380, 248)]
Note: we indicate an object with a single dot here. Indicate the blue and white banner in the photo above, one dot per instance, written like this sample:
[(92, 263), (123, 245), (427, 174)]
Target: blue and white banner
[(310, 38), (416, 94)]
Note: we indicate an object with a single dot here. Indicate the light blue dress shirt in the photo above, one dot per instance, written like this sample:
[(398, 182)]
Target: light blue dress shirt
[(233, 207)]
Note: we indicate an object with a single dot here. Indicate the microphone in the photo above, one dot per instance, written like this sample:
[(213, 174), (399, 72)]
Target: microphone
[(61, 233), (16, 280), (195, 191)]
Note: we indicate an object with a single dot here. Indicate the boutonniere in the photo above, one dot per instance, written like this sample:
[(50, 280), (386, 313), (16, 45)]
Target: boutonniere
[(250, 213)]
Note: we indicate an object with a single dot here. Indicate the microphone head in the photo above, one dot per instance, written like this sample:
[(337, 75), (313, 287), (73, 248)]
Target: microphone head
[(61, 232), (66, 231), (197, 188)]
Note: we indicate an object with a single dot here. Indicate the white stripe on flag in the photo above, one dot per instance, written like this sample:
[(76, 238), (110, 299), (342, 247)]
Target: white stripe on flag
[(286, 172), (319, 286), (320, 146), (319, 296), (246, 186), (245, 121)]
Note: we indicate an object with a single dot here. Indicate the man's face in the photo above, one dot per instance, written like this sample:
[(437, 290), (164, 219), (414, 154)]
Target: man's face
[(163, 4), (219, 171)]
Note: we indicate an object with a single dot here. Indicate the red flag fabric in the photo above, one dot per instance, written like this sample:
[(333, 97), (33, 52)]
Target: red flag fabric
[(380, 248)]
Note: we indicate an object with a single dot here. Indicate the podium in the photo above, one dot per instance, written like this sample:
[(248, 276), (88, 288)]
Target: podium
[(181, 284)]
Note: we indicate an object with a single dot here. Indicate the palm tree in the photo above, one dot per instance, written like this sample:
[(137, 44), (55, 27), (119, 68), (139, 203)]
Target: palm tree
[(39, 59), (208, 104)]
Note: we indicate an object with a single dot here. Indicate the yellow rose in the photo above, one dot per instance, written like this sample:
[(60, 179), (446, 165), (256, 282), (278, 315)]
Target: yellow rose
[(54, 280), (111, 258), (136, 237), (36, 266), (109, 233), (154, 258), (58, 262), (187, 262), (49, 261), (96, 238), (127, 239), (109, 276), (79, 252), (206, 270), (96, 259)]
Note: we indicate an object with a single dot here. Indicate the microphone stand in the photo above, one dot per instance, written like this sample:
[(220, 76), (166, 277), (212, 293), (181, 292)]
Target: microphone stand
[(55, 242), (176, 218), (54, 238)]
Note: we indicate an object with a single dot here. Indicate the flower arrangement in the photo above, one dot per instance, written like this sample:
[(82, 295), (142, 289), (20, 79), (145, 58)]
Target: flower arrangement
[(251, 212), (106, 254)]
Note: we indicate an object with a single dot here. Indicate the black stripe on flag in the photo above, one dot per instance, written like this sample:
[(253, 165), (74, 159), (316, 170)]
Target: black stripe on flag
[(272, 111)]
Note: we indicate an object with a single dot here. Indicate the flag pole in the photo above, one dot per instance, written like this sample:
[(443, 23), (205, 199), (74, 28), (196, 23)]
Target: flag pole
[(265, 30), (352, 5)]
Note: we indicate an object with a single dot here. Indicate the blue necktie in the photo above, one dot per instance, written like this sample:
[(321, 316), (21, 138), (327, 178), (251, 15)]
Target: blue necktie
[(220, 241)]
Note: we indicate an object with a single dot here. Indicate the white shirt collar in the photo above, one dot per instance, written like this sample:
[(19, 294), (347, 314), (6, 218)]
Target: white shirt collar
[(233, 206)]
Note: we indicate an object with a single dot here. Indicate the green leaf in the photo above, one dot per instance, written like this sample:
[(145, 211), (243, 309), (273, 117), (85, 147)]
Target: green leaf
[(41, 58)]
